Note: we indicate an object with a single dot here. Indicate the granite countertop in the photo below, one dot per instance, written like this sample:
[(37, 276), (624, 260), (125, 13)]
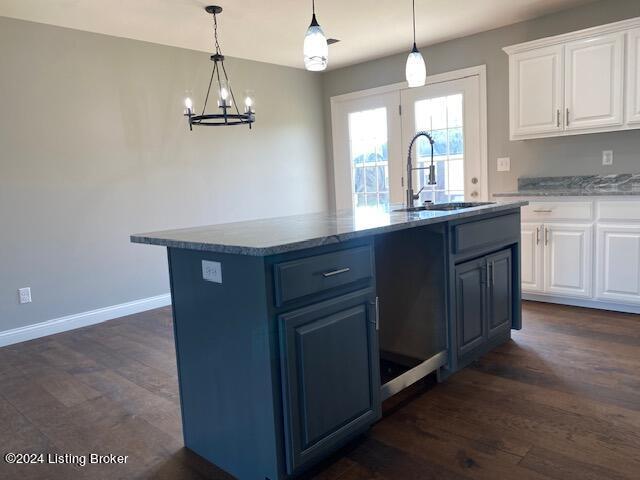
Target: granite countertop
[(576, 186), (285, 234)]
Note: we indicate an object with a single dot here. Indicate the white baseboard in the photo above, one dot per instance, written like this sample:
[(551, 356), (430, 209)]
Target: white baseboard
[(579, 302), (84, 319)]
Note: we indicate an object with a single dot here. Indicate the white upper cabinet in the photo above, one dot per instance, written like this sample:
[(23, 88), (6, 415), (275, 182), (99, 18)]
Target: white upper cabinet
[(593, 82), (536, 94), (575, 83), (633, 76)]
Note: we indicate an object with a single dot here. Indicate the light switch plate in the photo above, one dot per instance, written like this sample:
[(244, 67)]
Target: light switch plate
[(212, 271), (607, 157), (504, 164)]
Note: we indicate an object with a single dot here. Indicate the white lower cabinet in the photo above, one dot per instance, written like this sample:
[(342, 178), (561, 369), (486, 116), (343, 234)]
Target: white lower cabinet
[(582, 252), (531, 246), (618, 263), (567, 259), (556, 259)]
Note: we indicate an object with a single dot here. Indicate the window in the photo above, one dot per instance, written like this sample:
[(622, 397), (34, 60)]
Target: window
[(443, 118), (369, 157)]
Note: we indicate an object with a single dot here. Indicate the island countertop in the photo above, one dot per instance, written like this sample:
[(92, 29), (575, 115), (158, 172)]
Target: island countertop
[(277, 235)]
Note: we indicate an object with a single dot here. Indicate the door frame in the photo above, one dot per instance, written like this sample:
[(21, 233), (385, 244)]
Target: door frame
[(479, 70)]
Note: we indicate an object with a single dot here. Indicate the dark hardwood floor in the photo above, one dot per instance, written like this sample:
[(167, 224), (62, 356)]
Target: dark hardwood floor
[(560, 401)]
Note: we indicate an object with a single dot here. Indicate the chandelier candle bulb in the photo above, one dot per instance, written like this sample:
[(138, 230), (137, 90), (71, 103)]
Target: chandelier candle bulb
[(249, 102), (188, 105), (224, 98)]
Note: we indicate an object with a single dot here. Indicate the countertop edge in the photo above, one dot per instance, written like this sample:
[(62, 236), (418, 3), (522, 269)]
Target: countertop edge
[(149, 239), (565, 193)]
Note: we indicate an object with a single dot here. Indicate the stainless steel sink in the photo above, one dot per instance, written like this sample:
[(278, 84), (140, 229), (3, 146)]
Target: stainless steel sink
[(443, 207)]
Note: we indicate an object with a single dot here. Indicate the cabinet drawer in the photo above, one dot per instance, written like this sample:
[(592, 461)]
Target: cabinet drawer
[(312, 275), (476, 235), (618, 210), (571, 211)]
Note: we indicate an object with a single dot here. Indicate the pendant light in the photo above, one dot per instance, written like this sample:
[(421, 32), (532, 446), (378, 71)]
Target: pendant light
[(416, 70), (226, 100), (316, 50)]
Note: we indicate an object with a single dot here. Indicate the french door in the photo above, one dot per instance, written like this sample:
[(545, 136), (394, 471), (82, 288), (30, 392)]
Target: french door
[(371, 133)]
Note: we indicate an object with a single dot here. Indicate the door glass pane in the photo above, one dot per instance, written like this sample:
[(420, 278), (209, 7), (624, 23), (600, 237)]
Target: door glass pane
[(368, 153), (443, 118)]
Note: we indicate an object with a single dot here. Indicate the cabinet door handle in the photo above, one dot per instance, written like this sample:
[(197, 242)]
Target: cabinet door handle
[(546, 236), (336, 272), (537, 235), (493, 272), (567, 117), (377, 314), (558, 118), (543, 211)]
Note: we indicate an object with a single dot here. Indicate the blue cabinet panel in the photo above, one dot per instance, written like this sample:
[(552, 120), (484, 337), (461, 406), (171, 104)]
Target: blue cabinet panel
[(330, 375), (500, 293), (470, 305)]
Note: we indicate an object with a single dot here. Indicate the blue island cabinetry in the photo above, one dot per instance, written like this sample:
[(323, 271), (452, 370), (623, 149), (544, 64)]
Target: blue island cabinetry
[(285, 354)]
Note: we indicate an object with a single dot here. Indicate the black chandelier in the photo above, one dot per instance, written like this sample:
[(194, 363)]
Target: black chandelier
[(226, 99)]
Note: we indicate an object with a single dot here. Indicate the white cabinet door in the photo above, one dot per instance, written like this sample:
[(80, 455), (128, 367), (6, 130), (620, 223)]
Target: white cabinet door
[(633, 76), (618, 263), (567, 259), (531, 253), (593, 82), (535, 91)]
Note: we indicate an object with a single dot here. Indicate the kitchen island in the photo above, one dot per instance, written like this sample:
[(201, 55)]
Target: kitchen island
[(291, 331)]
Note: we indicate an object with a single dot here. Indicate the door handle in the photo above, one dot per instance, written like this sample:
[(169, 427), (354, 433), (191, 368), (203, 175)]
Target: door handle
[(567, 117), (537, 235), (558, 118), (336, 272), (546, 236), (493, 272)]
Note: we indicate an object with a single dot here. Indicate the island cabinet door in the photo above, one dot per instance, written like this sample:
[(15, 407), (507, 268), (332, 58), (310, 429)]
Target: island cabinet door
[(330, 375), (471, 305), (500, 293)]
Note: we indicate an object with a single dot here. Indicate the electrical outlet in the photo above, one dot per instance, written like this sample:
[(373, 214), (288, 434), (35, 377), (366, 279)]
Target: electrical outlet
[(504, 164), (212, 271), (24, 294), (607, 157)]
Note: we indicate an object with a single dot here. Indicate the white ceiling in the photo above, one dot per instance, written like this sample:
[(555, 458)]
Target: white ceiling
[(272, 30)]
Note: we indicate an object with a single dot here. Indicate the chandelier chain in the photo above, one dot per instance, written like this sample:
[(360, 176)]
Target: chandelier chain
[(215, 34)]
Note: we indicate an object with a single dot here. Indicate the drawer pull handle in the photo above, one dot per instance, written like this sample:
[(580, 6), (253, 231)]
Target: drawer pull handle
[(543, 211), (336, 272)]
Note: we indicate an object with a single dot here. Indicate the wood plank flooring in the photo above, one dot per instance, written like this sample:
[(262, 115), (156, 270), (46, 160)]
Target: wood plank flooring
[(560, 401)]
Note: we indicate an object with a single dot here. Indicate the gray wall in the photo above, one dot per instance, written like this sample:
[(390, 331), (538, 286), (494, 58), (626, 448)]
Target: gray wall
[(580, 154), (93, 147)]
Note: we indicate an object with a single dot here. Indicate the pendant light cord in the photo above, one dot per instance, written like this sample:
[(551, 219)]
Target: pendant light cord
[(313, 6), (414, 23)]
